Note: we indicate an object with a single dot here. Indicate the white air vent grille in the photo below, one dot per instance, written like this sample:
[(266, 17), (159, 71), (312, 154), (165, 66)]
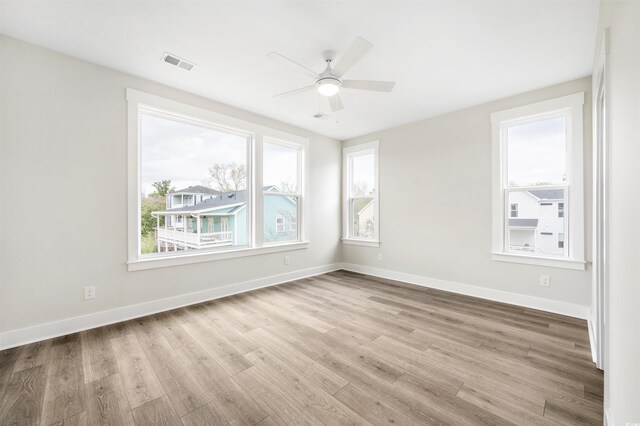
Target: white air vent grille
[(176, 61)]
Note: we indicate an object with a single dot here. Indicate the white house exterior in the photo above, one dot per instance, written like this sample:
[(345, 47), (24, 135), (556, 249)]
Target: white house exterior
[(536, 221), (187, 197)]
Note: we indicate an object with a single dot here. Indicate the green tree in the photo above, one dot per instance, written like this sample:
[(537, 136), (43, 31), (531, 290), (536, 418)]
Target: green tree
[(163, 187), (150, 203)]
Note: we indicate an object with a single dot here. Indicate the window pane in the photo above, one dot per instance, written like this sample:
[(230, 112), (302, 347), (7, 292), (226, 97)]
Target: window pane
[(280, 168), (536, 153), (537, 227), (362, 215), (193, 187), (280, 218), (362, 175)]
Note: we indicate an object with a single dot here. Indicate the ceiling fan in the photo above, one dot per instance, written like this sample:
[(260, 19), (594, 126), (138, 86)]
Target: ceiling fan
[(329, 82)]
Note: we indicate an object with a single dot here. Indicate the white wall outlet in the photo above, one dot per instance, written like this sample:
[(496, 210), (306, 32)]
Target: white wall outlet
[(286, 260), (380, 257), (90, 292), (545, 280)]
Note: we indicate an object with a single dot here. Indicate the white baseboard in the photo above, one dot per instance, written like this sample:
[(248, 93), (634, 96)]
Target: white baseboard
[(563, 308), (62, 327), (592, 341), (608, 420)]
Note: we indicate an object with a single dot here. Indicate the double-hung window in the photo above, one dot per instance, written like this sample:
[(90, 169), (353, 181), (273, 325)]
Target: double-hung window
[(361, 217), (282, 180), (538, 210), (205, 186)]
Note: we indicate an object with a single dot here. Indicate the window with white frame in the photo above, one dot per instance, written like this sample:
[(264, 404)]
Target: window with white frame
[(361, 211), (281, 167), (193, 186), (514, 210), (537, 155)]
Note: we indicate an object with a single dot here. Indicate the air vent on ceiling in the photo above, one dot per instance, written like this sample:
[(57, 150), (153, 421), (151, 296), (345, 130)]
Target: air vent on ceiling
[(179, 62), (320, 116)]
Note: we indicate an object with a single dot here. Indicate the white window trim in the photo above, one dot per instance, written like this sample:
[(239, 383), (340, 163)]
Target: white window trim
[(346, 172), (136, 100), (574, 105)]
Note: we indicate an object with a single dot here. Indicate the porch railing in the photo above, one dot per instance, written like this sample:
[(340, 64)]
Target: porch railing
[(194, 240)]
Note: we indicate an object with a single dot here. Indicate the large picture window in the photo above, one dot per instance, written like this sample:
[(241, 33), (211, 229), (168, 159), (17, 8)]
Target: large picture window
[(361, 211), (538, 183), (199, 181), (194, 185)]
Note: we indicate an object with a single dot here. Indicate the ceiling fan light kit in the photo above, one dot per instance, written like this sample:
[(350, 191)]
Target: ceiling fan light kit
[(329, 82), (328, 86)]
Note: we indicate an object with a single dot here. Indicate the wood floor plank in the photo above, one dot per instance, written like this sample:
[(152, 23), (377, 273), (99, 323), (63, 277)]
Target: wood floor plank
[(339, 348), (8, 359), (64, 393), (22, 403), (502, 408), (77, 420), (369, 408), (174, 373), (207, 415), (236, 405), (139, 379), (326, 379), (280, 408), (33, 355), (320, 404), (98, 360), (217, 345), (107, 402), (157, 412)]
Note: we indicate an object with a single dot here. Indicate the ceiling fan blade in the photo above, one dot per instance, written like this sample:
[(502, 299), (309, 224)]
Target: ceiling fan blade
[(378, 86), (295, 91), (335, 102), (354, 53), (293, 64)]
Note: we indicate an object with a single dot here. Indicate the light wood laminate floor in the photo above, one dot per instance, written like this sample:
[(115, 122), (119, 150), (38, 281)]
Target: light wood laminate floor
[(340, 348)]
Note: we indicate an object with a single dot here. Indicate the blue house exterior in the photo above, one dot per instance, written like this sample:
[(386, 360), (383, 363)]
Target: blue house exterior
[(221, 220)]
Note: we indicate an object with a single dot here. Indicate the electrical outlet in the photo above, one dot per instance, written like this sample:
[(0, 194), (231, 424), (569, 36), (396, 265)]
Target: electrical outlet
[(380, 257), (89, 292), (286, 260), (545, 280)]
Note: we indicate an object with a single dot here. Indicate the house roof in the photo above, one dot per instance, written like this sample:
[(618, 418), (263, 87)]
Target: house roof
[(222, 200), (548, 194), (196, 189), (525, 223)]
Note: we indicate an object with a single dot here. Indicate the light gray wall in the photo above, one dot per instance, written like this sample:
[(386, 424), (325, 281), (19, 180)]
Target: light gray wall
[(435, 203), (622, 341), (64, 193)]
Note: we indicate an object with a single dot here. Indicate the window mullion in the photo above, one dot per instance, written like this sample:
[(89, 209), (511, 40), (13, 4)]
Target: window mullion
[(258, 198)]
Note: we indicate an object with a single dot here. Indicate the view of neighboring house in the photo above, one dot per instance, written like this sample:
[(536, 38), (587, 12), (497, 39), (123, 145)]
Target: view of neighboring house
[(200, 217), (188, 197), (363, 218), (536, 221)]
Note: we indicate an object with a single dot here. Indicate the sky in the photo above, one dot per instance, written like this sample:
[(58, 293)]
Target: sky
[(536, 152), (183, 154), (363, 171)]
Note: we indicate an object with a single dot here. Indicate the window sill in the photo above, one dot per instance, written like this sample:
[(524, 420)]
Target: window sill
[(552, 262), (365, 243), (185, 259)]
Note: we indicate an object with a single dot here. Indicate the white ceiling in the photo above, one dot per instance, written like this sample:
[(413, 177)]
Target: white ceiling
[(444, 55)]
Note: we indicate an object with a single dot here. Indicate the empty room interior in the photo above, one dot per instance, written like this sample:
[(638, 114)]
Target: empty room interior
[(319, 212)]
